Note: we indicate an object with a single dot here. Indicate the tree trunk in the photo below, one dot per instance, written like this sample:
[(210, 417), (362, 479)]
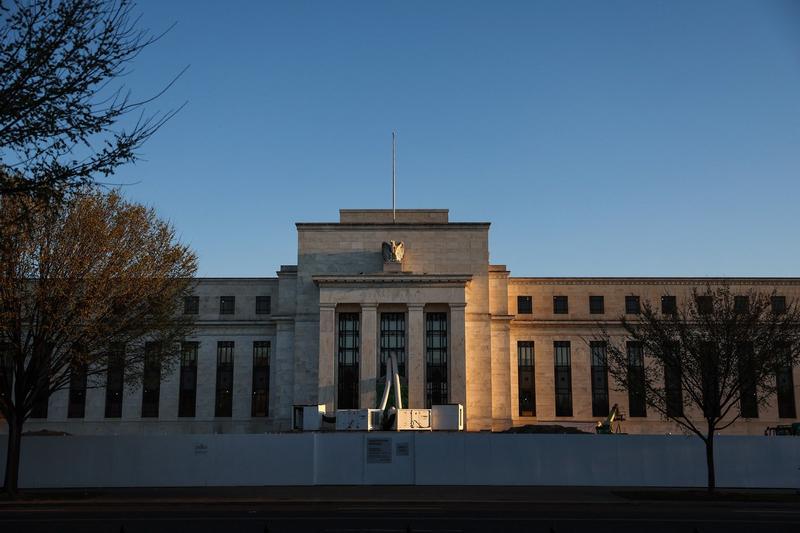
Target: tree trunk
[(712, 479), (12, 456)]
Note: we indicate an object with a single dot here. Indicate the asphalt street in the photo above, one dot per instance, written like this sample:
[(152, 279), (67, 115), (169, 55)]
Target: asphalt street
[(556, 511)]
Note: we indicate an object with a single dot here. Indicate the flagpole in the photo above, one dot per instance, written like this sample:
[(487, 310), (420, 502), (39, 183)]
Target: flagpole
[(394, 175)]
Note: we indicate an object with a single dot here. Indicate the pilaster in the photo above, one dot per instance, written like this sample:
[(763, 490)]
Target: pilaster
[(416, 356)]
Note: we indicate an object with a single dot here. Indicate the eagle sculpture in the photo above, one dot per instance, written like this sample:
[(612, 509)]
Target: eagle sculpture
[(393, 252)]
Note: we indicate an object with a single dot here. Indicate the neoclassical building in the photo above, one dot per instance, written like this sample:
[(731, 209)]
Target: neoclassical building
[(511, 350)]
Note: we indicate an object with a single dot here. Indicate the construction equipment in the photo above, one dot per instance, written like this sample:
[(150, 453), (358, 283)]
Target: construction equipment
[(606, 427), (787, 430)]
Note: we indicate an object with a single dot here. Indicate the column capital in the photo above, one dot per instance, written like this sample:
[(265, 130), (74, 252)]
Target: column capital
[(327, 307), (371, 306), (457, 306), (415, 307)]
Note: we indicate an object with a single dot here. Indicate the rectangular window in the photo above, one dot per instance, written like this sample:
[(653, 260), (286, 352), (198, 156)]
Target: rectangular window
[(263, 305), (560, 305), (632, 305), (636, 383), (599, 378), (187, 395), (223, 406), (115, 380), (669, 305), (42, 401), (705, 305), (778, 304), (747, 382), (741, 304), (348, 360), (261, 362), (597, 305), (563, 376), (785, 382), (77, 387), (151, 379), (191, 305), (673, 389), (436, 390), (393, 342), (227, 305), (524, 305), (526, 378)]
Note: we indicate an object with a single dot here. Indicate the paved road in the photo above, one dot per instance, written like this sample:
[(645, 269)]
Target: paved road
[(551, 511)]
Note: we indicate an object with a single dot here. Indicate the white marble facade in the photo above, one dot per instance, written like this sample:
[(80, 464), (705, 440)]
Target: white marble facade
[(340, 269)]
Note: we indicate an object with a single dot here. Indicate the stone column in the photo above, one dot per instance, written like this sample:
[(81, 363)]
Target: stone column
[(281, 387), (368, 358), (327, 355), (458, 356), (415, 353)]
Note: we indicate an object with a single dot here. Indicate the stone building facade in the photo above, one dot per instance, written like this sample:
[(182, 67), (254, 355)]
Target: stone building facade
[(512, 350)]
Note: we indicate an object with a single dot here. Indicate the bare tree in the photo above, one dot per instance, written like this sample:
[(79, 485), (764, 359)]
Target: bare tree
[(93, 285), (60, 116), (705, 363)]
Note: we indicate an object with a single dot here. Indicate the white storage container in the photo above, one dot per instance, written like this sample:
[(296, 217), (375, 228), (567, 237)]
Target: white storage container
[(358, 419), (307, 417), (448, 417), (413, 420)]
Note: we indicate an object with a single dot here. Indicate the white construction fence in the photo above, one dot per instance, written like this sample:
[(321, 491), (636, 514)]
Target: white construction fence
[(404, 459)]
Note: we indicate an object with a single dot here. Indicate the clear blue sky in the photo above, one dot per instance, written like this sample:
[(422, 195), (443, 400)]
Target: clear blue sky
[(635, 138)]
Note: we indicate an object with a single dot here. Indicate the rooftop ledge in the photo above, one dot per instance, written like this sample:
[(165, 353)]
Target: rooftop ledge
[(394, 279), (385, 216)]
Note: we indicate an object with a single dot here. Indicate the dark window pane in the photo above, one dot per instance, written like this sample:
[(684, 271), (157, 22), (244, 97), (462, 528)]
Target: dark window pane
[(77, 387), (526, 378), (227, 305), (785, 379), (187, 396), (263, 305), (224, 397), (673, 388), (596, 305), (747, 382), (524, 305), (115, 381), (6, 370), (636, 384), (778, 304), (560, 305), (705, 305), (151, 379), (599, 371), (741, 304), (261, 361), (563, 377), (436, 390), (191, 305), (348, 372), (393, 342), (669, 306), (632, 306)]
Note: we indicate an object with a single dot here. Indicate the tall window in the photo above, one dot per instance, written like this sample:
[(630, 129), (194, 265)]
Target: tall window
[(223, 406), (436, 391), (632, 305), (263, 305), (151, 379), (778, 304), (741, 303), (526, 378), (524, 305), (42, 400), (599, 378), (115, 380), (349, 347), (77, 389), (673, 390), (563, 376), (393, 341), (260, 405), (705, 305), (786, 408), (191, 305), (560, 305), (227, 305), (747, 382), (669, 306), (636, 383), (187, 395), (597, 305)]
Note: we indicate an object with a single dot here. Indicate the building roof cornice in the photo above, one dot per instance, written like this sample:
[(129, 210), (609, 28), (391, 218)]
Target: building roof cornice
[(654, 281)]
